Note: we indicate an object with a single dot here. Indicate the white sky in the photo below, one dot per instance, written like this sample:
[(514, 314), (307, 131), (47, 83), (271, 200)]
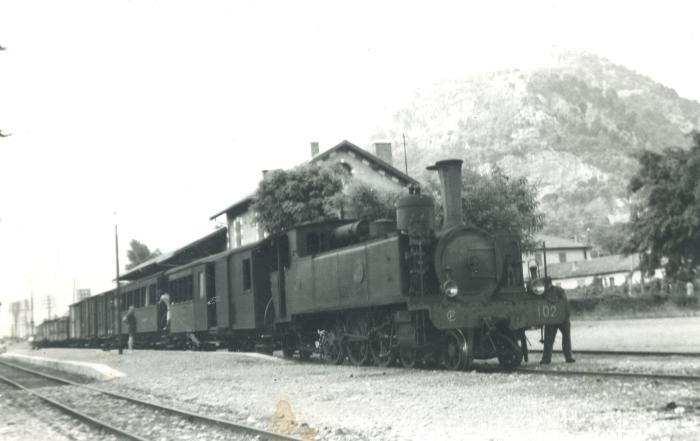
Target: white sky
[(166, 112)]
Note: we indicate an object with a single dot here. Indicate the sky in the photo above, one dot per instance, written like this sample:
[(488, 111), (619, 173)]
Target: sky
[(154, 115)]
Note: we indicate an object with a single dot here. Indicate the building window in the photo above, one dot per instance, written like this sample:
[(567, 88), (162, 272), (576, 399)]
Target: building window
[(562, 257), (347, 167), (247, 279), (612, 281)]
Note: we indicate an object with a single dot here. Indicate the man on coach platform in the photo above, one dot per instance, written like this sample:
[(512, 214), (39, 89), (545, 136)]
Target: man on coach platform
[(550, 331)]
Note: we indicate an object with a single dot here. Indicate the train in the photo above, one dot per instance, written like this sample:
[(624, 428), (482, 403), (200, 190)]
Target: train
[(363, 291)]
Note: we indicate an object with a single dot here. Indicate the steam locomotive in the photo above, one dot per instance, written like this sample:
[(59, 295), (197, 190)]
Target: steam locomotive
[(372, 292)]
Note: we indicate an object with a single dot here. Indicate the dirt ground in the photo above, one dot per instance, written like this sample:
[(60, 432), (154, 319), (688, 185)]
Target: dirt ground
[(677, 334)]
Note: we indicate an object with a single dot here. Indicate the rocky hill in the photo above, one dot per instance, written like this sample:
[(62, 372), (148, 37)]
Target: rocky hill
[(572, 127)]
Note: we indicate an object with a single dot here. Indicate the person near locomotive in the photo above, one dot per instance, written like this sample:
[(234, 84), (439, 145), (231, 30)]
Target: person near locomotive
[(164, 306), (130, 320), (550, 331)]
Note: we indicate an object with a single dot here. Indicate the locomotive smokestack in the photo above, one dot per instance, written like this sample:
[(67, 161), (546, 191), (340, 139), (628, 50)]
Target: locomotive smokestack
[(450, 172)]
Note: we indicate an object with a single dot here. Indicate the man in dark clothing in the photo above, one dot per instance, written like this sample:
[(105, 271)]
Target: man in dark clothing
[(130, 319), (550, 331)]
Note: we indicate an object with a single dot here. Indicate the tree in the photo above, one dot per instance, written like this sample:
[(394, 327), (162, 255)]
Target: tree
[(609, 238), (497, 203), (362, 201), (305, 193), (665, 220), (139, 253)]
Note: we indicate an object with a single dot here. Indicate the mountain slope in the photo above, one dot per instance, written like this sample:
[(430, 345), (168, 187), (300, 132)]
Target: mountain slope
[(572, 127)]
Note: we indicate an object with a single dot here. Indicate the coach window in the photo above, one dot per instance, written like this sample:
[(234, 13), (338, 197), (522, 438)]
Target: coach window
[(202, 285), (562, 257), (152, 294), (247, 279)]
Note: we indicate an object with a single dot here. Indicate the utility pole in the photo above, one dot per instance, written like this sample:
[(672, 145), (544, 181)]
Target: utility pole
[(405, 157), (25, 318), (31, 304), (48, 303), (119, 303), (15, 308)]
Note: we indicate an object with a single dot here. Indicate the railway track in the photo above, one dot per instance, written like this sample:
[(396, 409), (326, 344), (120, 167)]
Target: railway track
[(630, 353), (166, 414), (591, 373)]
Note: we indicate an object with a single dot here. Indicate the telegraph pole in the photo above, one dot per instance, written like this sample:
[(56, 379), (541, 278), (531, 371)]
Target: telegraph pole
[(32, 307), (119, 303), (49, 304), (405, 157)]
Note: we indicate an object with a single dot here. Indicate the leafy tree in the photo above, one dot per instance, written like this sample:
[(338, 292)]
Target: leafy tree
[(139, 253), (303, 194), (665, 225), (611, 238), (497, 203), (362, 201)]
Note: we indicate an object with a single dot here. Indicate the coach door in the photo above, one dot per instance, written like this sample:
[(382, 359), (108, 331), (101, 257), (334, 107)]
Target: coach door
[(210, 288), (205, 301), (278, 264)]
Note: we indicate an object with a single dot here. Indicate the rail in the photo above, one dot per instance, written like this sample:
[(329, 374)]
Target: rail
[(263, 434)]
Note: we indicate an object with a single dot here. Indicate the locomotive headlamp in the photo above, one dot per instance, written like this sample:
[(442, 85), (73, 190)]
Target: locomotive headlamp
[(450, 288), (538, 287)]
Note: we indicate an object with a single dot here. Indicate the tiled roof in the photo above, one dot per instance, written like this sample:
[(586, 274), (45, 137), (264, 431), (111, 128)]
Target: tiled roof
[(616, 263), (236, 208)]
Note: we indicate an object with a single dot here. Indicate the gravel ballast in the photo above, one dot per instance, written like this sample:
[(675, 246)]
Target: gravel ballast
[(348, 403)]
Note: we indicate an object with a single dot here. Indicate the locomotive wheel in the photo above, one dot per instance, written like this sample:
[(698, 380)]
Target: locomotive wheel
[(455, 350), (331, 346), (380, 343), (408, 357), (288, 346), (511, 351), (304, 354), (358, 351)]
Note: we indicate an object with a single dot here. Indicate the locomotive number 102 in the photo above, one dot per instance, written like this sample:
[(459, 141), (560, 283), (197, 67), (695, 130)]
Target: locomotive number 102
[(546, 311)]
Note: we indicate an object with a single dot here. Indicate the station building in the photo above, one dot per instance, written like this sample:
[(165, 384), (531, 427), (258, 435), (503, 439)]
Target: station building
[(374, 169)]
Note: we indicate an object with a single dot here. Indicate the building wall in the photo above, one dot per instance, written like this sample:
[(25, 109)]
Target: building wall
[(243, 230), (553, 256), (612, 279), (363, 171)]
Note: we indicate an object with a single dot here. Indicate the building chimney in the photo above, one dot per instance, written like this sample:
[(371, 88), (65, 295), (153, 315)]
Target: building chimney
[(314, 149), (450, 172), (382, 150)]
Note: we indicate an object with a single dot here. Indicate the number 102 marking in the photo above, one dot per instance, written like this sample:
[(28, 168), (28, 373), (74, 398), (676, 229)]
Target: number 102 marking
[(546, 311)]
